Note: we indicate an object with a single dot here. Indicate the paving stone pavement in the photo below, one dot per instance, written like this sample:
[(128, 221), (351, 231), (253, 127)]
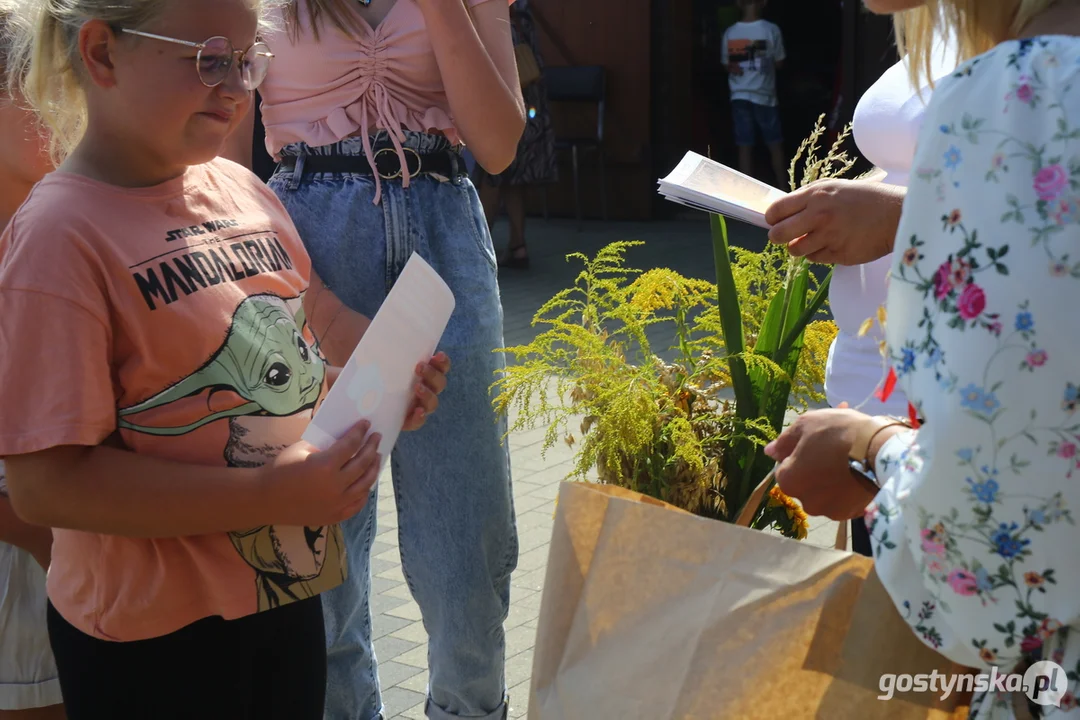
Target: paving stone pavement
[(400, 638)]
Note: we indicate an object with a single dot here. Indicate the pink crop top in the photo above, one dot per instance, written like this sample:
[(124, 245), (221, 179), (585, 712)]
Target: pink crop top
[(321, 92)]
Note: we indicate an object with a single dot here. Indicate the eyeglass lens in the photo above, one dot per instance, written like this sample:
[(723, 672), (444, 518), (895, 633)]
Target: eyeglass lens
[(216, 58)]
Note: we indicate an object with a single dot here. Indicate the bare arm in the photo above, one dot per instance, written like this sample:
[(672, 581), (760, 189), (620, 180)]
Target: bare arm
[(476, 60), (117, 492), (34, 539), (337, 328)]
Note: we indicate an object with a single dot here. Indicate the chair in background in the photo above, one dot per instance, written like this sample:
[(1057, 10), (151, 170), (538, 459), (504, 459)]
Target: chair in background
[(584, 85)]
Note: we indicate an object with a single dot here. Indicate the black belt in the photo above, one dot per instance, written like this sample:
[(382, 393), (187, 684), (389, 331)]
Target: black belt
[(446, 163)]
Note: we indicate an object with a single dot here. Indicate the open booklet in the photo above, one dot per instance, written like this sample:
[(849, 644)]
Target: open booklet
[(703, 184), (377, 384)]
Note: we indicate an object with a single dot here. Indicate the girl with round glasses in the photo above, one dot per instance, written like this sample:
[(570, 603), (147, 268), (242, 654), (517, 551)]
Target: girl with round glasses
[(158, 376)]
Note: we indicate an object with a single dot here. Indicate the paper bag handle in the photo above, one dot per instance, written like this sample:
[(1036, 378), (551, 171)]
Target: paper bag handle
[(746, 516), (841, 535), (750, 509)]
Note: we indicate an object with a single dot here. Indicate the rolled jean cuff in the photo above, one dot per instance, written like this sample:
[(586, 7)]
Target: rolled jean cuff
[(434, 712)]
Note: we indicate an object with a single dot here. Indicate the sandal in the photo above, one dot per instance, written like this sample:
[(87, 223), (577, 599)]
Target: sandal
[(514, 260)]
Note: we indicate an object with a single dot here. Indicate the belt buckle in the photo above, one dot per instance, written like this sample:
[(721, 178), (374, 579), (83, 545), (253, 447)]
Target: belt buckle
[(398, 174)]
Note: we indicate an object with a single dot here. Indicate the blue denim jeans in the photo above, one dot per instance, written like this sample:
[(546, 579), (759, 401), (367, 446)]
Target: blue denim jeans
[(456, 525), (750, 118)]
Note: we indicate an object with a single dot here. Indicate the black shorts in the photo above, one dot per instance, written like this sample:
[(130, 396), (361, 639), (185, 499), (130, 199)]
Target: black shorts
[(268, 665)]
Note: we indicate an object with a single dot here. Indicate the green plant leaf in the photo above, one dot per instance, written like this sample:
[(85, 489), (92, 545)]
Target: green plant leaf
[(731, 323)]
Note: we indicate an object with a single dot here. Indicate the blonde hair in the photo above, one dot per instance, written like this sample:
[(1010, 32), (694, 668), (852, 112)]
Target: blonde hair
[(14, 28), (46, 67), (976, 25), (341, 14)]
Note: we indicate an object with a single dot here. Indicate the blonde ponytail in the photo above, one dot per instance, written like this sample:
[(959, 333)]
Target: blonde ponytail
[(15, 29), (50, 82)]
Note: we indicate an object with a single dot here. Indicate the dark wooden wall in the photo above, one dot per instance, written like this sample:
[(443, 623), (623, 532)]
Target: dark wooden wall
[(617, 35)]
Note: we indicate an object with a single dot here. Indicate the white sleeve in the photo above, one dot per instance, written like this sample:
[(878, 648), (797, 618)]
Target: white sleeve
[(779, 53), (724, 48)]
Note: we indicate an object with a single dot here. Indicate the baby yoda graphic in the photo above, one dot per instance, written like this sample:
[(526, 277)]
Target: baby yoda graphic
[(278, 376)]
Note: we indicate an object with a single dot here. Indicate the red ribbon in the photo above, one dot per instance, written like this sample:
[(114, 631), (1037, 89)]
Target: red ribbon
[(886, 391), (913, 416), (887, 387)]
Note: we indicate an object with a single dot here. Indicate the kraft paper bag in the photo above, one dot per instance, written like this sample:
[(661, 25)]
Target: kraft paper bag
[(652, 613)]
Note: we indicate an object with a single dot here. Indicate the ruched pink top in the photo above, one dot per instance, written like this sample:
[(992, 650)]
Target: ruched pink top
[(319, 92)]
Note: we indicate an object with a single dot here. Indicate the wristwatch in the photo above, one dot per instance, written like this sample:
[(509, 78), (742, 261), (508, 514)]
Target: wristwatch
[(859, 461)]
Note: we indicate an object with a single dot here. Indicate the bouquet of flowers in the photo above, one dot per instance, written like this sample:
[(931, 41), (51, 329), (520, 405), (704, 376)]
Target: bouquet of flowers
[(749, 347)]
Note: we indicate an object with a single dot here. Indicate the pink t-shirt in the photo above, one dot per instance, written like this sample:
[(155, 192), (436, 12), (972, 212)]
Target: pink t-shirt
[(321, 91), (169, 314)]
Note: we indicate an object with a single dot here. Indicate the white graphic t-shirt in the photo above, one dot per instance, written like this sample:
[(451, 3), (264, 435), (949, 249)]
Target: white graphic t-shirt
[(756, 47)]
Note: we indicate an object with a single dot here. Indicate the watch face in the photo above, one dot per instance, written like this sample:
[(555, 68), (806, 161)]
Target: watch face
[(863, 476)]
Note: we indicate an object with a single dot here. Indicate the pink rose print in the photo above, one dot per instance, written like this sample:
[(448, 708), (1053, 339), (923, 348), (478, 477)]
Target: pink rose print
[(1059, 269), (943, 281), (962, 582), (1068, 701), (994, 327), (935, 566), (1066, 450), (1025, 93), (932, 546), (1050, 182), (972, 302), (1036, 358), (1030, 644)]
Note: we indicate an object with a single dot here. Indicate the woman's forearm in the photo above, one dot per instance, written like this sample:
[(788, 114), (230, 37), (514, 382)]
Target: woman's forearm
[(480, 77), (34, 539), (117, 492), (336, 327)]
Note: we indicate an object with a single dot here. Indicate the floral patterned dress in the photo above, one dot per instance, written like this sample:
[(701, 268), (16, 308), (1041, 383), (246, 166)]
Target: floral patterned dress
[(974, 534)]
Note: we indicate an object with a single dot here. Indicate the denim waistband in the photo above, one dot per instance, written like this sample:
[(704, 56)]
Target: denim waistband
[(421, 142)]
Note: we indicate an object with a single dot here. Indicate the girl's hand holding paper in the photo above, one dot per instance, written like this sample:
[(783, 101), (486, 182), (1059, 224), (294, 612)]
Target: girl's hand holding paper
[(432, 382), (394, 376)]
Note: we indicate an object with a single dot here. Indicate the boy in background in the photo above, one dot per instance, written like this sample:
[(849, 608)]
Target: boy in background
[(753, 50)]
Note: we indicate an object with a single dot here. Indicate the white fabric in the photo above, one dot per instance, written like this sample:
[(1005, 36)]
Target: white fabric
[(974, 532), (757, 47), (886, 128), (27, 670), (28, 676)]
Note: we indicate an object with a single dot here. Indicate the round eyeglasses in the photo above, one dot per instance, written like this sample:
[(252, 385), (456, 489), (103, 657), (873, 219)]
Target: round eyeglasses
[(217, 56)]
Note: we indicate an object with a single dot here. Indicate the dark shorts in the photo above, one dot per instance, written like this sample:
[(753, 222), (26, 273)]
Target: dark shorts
[(266, 666), (750, 118)]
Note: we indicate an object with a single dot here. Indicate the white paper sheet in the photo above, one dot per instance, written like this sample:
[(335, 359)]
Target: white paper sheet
[(703, 184), (377, 384)]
